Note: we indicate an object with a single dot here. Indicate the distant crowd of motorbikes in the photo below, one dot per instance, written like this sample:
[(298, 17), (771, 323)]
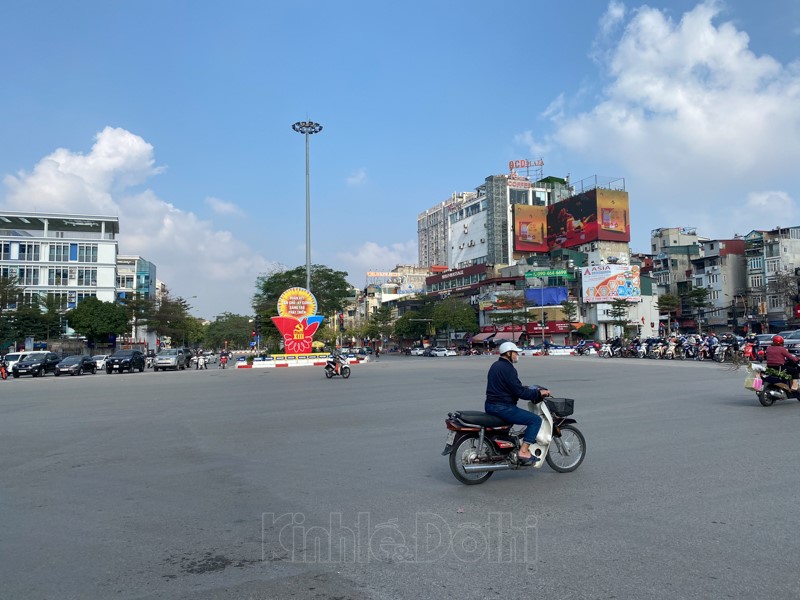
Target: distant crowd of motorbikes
[(726, 348)]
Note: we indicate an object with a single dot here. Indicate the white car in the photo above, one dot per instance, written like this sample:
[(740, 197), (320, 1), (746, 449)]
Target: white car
[(451, 352), (13, 358), (100, 361), (417, 351), (439, 351)]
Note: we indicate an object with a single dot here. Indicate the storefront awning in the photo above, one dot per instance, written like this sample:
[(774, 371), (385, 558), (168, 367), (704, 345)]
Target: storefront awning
[(482, 337), (506, 336)]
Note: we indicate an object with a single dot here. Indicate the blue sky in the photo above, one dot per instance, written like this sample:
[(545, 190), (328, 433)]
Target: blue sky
[(177, 116)]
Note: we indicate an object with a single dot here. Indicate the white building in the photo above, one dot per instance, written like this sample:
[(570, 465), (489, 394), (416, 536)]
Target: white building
[(71, 257)]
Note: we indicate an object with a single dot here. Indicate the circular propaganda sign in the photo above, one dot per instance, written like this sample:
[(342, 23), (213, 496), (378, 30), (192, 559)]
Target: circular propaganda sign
[(298, 303)]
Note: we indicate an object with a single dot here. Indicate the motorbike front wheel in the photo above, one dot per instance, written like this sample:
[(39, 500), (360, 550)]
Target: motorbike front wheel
[(567, 452), (328, 373), (345, 372), (465, 452)]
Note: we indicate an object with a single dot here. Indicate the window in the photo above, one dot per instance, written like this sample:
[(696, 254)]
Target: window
[(774, 302), (755, 263), (773, 265), (84, 295), (59, 252), (698, 282), (58, 276), (87, 277), (5, 250), (28, 276), (28, 251), (756, 281), (87, 253)]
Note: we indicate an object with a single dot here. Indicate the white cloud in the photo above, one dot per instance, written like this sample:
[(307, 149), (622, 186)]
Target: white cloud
[(691, 115), (223, 207), (224, 276), (371, 256), (358, 178)]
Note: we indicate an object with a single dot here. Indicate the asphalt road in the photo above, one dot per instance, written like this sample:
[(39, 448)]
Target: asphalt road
[(281, 484)]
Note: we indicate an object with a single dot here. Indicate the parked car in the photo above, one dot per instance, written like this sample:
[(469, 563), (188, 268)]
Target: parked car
[(417, 351), (170, 358), (125, 360), (100, 360), (36, 364), (76, 365), (451, 352), (439, 351), (13, 358)]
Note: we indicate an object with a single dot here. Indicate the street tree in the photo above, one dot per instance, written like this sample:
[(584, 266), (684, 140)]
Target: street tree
[(170, 318), (380, 324), (140, 310), (668, 304), (97, 320), (619, 313), (784, 286), (452, 315), (413, 325), (10, 296), (698, 300), (510, 310), (569, 308), (231, 329)]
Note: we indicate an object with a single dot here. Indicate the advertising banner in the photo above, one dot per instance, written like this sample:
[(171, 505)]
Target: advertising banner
[(606, 283), (297, 320), (530, 228), (598, 214)]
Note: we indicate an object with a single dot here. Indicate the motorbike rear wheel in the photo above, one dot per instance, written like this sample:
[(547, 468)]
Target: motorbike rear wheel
[(466, 451), (764, 398), (567, 452)]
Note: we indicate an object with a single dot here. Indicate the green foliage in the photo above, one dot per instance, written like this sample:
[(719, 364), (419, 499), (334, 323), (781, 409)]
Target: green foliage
[(570, 310), (231, 328), (380, 323), (668, 303), (171, 318), (587, 330), (455, 315), (413, 325), (96, 320), (511, 311), (619, 312)]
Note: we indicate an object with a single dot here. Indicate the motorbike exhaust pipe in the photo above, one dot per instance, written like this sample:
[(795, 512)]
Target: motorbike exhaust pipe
[(485, 468)]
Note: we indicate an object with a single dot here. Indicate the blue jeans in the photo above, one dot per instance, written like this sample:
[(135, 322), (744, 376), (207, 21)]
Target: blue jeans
[(518, 416)]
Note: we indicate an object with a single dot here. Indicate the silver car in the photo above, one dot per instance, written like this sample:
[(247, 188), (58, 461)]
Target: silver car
[(170, 358)]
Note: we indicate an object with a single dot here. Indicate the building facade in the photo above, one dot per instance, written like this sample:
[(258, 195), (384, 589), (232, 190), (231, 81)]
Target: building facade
[(68, 257)]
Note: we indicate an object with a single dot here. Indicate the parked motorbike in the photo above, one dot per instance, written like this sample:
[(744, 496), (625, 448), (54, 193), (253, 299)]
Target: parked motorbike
[(478, 444), (335, 366), (773, 388)]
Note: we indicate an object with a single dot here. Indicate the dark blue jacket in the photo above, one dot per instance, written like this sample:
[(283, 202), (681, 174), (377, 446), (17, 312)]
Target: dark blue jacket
[(503, 385)]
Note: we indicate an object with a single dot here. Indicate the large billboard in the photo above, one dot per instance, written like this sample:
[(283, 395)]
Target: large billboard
[(530, 228), (606, 283), (598, 214)]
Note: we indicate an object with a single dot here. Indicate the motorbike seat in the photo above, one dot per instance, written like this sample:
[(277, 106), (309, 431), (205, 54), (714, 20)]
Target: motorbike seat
[(474, 417)]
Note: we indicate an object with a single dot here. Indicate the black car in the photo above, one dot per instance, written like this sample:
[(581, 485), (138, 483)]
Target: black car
[(125, 360), (36, 363), (76, 365)]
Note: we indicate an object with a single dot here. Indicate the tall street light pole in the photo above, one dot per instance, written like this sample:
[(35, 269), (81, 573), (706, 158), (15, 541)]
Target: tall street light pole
[(307, 128)]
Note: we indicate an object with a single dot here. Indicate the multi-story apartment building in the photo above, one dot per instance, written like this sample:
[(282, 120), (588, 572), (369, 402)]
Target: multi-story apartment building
[(674, 249), (135, 277), (773, 266), (70, 257), (474, 228), (721, 270)]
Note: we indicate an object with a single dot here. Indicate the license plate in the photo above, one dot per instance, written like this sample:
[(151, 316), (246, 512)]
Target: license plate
[(451, 438)]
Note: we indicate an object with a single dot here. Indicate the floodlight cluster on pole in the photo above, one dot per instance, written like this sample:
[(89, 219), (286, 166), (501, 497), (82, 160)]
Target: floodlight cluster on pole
[(307, 128)]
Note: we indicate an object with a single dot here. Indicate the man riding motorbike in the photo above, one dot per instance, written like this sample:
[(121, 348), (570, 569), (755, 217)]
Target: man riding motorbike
[(503, 390), (779, 358)]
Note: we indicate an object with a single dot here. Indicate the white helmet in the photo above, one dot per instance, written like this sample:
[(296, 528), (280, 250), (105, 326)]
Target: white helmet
[(508, 347)]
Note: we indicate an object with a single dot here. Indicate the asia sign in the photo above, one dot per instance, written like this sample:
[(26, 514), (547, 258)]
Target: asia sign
[(297, 320), (606, 283)]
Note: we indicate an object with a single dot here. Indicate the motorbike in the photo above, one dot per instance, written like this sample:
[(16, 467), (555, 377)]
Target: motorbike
[(201, 363), (478, 444), (584, 348), (335, 366), (223, 362), (752, 352), (773, 387)]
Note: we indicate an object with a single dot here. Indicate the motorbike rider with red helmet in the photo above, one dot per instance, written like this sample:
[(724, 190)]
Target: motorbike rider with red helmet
[(779, 357)]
